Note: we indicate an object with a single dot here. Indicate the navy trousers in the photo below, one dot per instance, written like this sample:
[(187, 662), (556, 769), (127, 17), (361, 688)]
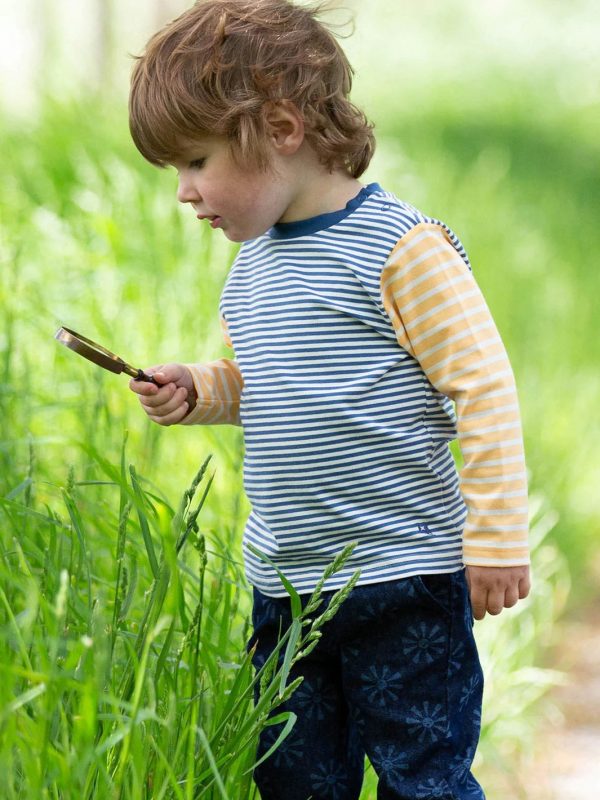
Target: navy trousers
[(395, 675)]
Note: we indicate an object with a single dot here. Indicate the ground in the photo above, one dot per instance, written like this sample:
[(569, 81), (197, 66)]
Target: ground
[(567, 764), (564, 763)]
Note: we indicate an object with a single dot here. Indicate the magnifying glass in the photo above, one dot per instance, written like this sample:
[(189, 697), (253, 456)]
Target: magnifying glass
[(99, 355)]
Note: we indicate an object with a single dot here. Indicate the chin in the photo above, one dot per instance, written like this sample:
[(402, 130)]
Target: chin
[(246, 236), (233, 237)]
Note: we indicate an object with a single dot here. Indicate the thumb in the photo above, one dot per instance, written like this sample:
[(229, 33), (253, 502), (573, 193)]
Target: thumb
[(166, 373)]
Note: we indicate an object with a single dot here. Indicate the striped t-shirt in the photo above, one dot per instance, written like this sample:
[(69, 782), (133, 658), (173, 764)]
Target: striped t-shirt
[(363, 348)]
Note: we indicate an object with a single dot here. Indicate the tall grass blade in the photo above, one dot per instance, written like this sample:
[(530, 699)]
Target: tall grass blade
[(213, 764), (290, 720), (296, 603), (290, 651), (145, 528)]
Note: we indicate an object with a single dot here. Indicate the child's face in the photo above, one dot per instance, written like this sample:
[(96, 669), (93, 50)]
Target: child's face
[(244, 203)]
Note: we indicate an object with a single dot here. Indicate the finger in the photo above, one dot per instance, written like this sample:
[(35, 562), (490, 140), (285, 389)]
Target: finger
[(524, 588), (167, 373), (170, 405), (511, 598), (143, 388), (162, 374), (174, 417), (160, 397), (495, 602), (478, 602)]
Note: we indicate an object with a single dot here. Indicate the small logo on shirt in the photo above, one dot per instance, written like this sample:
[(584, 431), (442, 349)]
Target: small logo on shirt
[(424, 529)]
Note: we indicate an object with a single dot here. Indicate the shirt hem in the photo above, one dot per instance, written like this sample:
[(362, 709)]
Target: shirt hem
[(340, 579)]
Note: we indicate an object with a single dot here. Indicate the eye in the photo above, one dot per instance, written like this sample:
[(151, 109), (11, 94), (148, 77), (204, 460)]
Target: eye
[(197, 163)]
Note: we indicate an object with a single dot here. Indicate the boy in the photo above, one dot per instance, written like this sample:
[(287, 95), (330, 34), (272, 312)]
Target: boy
[(355, 322)]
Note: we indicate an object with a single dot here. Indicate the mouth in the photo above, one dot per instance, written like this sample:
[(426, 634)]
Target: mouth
[(214, 221)]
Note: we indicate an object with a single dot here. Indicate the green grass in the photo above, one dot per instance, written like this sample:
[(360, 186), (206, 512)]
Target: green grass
[(91, 237), (123, 662)]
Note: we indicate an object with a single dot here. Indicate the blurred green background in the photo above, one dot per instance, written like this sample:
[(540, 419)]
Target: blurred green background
[(487, 117)]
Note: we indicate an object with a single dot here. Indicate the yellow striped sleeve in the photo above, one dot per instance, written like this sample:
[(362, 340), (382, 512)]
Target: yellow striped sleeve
[(441, 318), (219, 387)]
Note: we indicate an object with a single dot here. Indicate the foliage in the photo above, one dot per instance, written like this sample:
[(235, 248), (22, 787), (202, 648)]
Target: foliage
[(124, 673)]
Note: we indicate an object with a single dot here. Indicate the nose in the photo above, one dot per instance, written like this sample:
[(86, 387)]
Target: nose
[(187, 191)]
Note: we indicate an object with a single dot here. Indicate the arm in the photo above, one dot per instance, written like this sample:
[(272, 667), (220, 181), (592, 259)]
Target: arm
[(218, 386), (193, 394), (441, 318)]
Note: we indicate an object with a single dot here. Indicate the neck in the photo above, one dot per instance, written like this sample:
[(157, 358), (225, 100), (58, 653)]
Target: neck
[(317, 191)]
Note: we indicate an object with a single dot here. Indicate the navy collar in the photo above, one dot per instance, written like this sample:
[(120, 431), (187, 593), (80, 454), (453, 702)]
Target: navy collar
[(302, 227)]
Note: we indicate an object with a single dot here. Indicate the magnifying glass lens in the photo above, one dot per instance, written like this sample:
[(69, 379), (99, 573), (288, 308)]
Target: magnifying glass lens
[(99, 355)]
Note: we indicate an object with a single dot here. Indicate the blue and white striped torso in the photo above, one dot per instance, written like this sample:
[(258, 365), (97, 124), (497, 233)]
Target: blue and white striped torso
[(345, 438)]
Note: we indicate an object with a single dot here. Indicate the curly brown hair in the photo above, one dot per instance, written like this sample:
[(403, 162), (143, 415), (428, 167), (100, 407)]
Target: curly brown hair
[(213, 70)]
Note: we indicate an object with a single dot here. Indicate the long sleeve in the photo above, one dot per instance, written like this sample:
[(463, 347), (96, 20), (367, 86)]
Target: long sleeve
[(441, 318), (218, 387)]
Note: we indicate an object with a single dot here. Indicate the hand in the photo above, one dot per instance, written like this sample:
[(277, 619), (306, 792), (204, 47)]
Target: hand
[(495, 588), (169, 403)]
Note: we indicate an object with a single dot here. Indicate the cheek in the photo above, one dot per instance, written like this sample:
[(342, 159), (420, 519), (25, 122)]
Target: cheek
[(268, 196), (249, 199), (230, 193)]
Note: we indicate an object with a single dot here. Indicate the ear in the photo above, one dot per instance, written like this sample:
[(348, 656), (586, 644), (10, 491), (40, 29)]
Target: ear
[(285, 126)]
